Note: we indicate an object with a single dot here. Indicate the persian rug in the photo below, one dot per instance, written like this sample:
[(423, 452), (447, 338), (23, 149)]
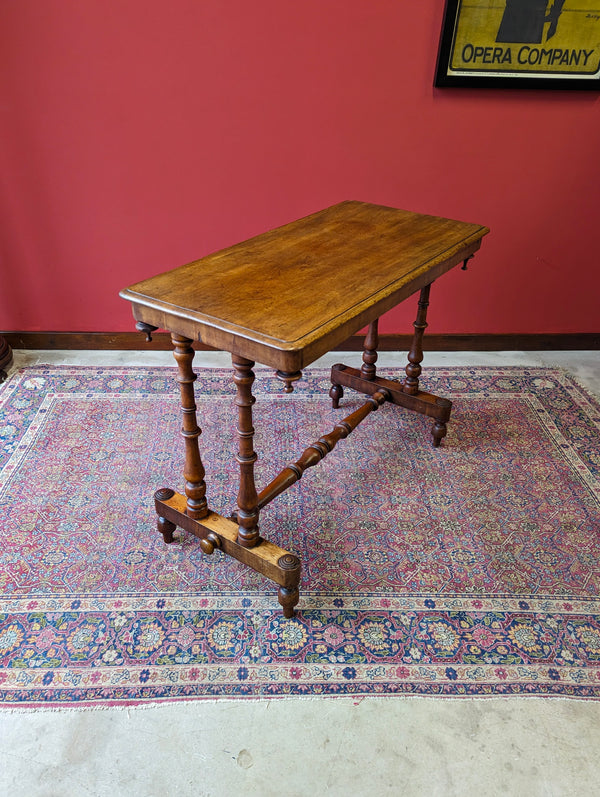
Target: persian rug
[(468, 570)]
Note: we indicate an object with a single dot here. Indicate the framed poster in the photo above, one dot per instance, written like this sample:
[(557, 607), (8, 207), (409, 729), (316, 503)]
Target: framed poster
[(520, 44)]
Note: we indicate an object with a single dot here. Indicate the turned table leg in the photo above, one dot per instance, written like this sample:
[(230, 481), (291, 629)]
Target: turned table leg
[(405, 393), (247, 512), (413, 369), (193, 472), (369, 357), (415, 355)]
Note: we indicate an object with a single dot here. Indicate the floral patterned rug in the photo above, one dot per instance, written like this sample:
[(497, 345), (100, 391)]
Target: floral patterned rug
[(472, 569)]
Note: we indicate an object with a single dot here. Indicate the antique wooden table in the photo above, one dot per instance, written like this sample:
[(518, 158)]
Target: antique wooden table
[(283, 299)]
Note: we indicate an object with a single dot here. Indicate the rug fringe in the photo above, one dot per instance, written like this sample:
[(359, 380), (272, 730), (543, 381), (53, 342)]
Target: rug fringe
[(355, 700)]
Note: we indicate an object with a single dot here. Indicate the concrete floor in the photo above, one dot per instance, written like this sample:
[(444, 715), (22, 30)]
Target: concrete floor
[(371, 746)]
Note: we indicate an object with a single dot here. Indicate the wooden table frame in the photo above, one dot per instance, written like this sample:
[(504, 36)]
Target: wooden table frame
[(330, 246)]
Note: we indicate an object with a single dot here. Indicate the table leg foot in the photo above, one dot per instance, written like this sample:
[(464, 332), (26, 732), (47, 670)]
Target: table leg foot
[(166, 528), (336, 392), (288, 598), (288, 595), (439, 430)]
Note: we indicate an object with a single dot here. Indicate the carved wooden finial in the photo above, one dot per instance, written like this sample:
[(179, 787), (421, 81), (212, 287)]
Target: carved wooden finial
[(209, 543), (164, 493), (288, 562), (147, 329), (289, 377)]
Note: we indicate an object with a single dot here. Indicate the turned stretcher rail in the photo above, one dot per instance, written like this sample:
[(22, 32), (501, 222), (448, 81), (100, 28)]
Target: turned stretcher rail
[(319, 450)]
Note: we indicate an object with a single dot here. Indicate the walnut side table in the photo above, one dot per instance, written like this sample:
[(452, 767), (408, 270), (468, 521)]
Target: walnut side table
[(283, 299)]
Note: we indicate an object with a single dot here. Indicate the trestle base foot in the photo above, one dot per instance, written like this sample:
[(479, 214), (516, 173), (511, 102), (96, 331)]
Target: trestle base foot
[(219, 533), (421, 402)]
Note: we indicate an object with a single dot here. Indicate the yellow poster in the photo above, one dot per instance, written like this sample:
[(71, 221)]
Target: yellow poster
[(552, 39)]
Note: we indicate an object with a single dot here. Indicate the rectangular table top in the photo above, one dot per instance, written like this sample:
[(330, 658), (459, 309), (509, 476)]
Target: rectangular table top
[(289, 295)]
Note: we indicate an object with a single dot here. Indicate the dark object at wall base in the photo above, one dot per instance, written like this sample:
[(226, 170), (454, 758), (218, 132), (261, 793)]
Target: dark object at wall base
[(6, 358)]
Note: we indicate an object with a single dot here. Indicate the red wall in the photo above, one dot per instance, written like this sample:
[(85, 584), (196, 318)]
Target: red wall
[(137, 135)]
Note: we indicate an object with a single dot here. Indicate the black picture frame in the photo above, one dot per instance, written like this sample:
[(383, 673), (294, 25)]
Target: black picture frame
[(536, 64)]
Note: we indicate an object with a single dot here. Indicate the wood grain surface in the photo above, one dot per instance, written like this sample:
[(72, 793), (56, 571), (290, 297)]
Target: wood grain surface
[(287, 296)]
